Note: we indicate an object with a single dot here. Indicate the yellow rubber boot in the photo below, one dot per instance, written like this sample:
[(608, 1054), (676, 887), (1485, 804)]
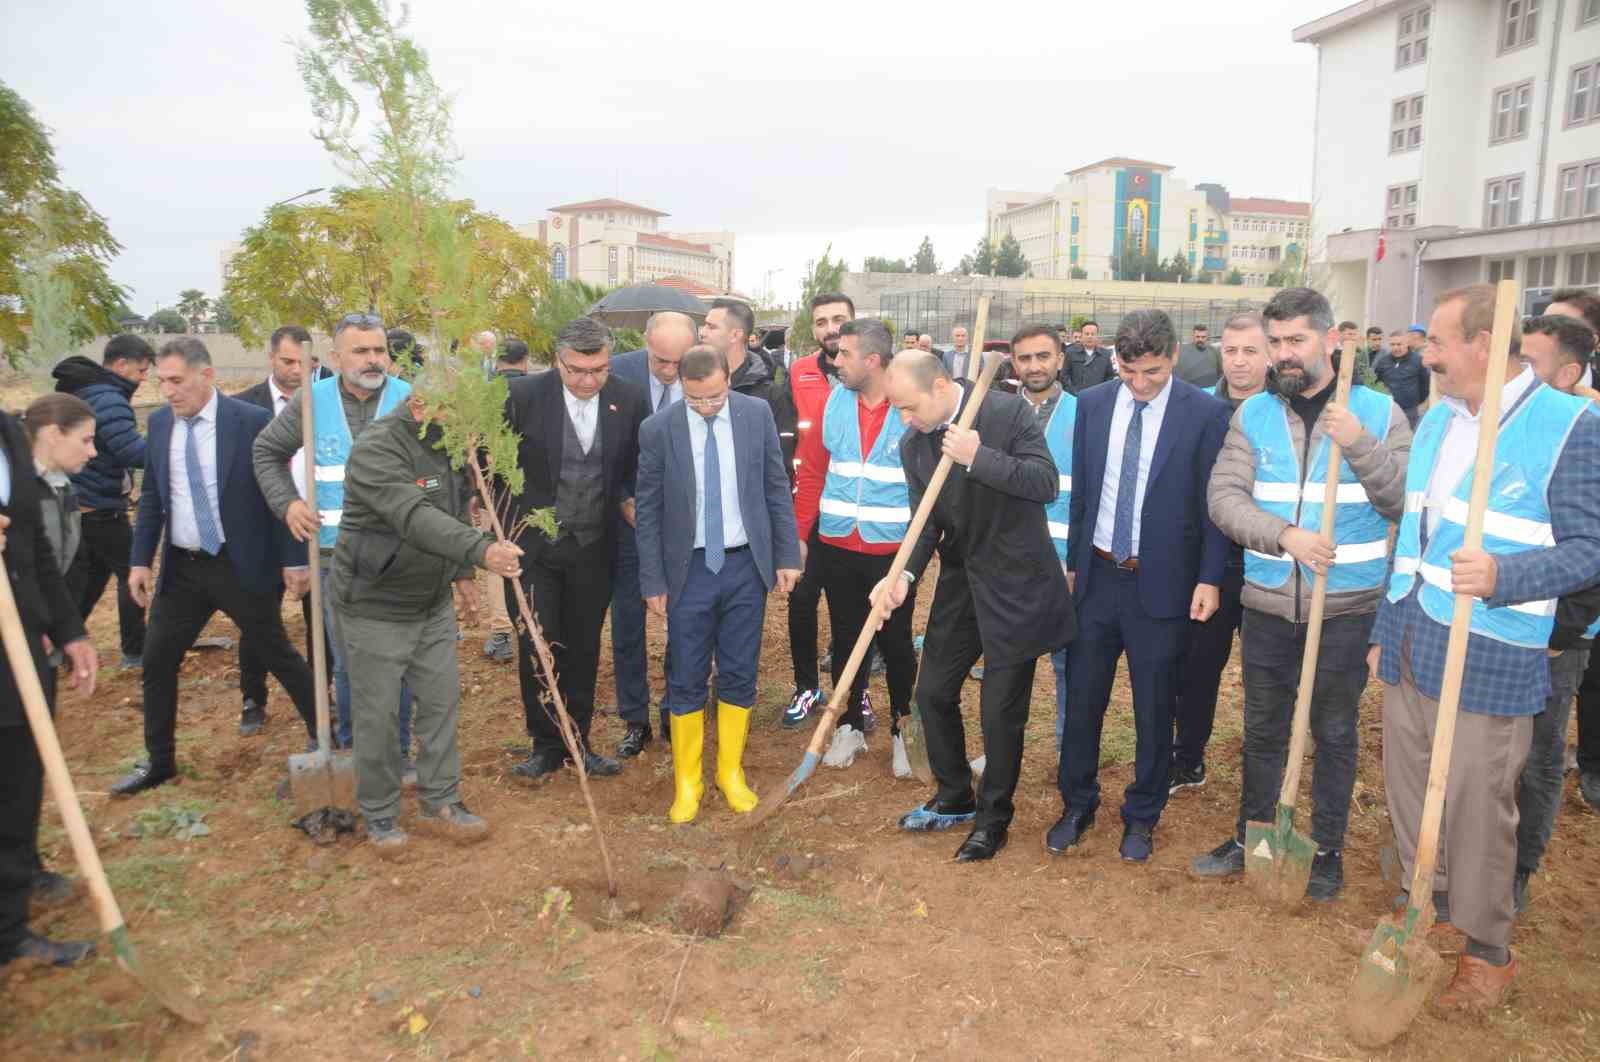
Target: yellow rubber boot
[(688, 745), (733, 726)]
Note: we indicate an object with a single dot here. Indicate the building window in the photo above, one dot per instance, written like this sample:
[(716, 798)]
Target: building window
[(1509, 118), (1583, 94), (1411, 42), (1502, 269), (1519, 23), (1580, 190), (1400, 207), (1542, 271), (1588, 11), (1583, 269), (1405, 124), (1502, 203)]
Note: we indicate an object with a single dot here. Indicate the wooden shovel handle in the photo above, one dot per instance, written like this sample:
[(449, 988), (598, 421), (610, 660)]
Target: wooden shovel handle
[(23, 673), (319, 663), (1319, 597), (1455, 657), (919, 519)]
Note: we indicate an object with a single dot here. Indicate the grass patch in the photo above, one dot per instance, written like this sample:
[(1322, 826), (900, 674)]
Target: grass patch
[(156, 880)]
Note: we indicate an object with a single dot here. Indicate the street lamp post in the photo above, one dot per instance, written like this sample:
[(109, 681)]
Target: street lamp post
[(292, 198)]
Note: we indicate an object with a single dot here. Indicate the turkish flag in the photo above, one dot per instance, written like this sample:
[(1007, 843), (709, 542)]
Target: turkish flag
[(1380, 247)]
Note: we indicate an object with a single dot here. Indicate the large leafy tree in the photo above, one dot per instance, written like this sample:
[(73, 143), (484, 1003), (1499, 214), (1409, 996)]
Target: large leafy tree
[(825, 275), (980, 261), (924, 262), (193, 304), (1008, 260), (878, 264), (49, 235), (313, 263)]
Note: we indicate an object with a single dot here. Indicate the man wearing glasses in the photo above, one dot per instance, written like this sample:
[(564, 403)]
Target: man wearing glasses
[(654, 370), (579, 451), (716, 533)]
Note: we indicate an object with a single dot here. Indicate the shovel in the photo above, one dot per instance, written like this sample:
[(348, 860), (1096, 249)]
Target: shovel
[(163, 987), (1277, 857), (841, 688), (1398, 968), (320, 779)]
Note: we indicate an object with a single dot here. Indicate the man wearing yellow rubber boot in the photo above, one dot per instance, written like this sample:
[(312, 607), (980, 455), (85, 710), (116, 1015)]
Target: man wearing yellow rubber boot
[(716, 531)]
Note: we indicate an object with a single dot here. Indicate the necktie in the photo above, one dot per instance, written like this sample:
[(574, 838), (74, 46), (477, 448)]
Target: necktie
[(713, 493), (199, 500), (666, 396), (1128, 486)]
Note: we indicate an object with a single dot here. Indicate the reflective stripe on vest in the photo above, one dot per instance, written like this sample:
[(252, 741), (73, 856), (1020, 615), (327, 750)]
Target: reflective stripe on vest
[(1360, 533), (333, 447), (1058, 437), (1532, 436), (862, 493)]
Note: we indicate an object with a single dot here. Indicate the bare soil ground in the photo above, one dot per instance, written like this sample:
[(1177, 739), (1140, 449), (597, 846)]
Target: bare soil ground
[(853, 940)]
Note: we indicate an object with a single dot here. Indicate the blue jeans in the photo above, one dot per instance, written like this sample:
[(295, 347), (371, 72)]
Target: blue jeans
[(341, 676), (1539, 794), (718, 615), (1058, 660)]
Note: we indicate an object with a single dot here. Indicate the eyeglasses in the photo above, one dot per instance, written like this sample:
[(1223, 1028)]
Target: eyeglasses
[(363, 321), (591, 374), (708, 402)]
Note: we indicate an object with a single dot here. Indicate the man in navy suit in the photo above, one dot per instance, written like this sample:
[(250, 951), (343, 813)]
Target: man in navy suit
[(716, 532), (224, 551), (654, 371), (1143, 560)]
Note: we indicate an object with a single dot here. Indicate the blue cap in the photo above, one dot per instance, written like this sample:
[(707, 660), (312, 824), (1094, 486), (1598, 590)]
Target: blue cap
[(1418, 329)]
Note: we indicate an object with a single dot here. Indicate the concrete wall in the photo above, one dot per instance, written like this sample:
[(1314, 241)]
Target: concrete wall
[(867, 288)]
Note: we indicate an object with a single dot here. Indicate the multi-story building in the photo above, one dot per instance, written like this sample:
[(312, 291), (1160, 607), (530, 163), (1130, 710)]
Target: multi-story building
[(1082, 228), (608, 242), (1456, 141)]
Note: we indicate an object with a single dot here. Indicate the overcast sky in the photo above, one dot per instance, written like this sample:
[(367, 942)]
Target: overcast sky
[(869, 127)]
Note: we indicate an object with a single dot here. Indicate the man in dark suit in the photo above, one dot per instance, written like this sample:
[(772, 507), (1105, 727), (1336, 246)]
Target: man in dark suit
[(1087, 362), (286, 360), (1001, 592), (654, 371), (46, 610), (716, 533), (224, 551), (1143, 559), (579, 453)]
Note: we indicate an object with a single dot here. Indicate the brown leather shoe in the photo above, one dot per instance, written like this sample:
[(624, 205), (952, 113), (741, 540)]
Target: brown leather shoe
[(1478, 985)]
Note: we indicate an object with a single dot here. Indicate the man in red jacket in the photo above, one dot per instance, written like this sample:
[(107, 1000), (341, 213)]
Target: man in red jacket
[(798, 406)]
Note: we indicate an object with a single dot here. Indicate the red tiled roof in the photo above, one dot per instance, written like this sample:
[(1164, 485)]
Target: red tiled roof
[(606, 204), (698, 290), (1238, 205), (655, 240), (1120, 161)]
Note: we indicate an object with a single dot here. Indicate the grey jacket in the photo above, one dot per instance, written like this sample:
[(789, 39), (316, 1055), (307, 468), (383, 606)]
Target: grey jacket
[(1381, 467)]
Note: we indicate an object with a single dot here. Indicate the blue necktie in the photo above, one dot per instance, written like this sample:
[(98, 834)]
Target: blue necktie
[(1128, 486), (713, 492), (199, 500)]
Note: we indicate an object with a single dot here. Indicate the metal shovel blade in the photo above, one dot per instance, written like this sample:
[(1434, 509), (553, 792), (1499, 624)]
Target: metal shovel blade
[(1396, 974), (916, 743), (159, 983), (322, 780), (1277, 859)]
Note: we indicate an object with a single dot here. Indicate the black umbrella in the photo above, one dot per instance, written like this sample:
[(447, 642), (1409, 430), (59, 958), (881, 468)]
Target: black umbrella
[(632, 306)]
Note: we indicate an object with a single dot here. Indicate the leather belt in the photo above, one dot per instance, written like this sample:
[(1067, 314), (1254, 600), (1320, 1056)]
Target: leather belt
[(1129, 565)]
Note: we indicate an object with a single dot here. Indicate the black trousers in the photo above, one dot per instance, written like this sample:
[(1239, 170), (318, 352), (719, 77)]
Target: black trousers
[(803, 602), (848, 578), (951, 647), (1210, 646), (195, 587), (569, 587), (253, 669), (1589, 718), (21, 795), (103, 554)]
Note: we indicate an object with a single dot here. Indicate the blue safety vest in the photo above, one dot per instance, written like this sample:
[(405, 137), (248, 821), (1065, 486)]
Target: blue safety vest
[(866, 494), (1532, 435), (1058, 437), (333, 446), (1361, 535)]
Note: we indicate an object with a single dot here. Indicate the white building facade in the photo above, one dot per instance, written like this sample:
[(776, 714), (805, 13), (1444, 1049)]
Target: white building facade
[(610, 243), (1457, 141)]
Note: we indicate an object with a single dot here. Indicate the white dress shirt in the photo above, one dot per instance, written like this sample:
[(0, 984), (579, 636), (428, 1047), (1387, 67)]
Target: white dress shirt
[(1149, 431), (182, 529), (733, 533), (585, 414), (5, 477), (279, 398), (674, 391), (1458, 450)]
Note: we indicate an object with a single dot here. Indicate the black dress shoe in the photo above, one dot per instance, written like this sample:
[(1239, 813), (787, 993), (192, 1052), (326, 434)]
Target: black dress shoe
[(539, 763), (143, 776), (252, 719), (634, 741), (51, 890), (599, 766), (982, 843), (1069, 830), (47, 951)]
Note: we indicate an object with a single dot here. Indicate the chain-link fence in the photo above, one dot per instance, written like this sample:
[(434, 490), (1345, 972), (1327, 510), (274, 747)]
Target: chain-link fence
[(939, 310)]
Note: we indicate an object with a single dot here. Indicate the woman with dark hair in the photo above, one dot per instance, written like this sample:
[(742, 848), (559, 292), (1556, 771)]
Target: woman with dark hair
[(61, 431)]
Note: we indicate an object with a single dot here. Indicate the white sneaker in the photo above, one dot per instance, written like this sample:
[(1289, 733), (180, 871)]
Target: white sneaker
[(902, 762), (848, 743)]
